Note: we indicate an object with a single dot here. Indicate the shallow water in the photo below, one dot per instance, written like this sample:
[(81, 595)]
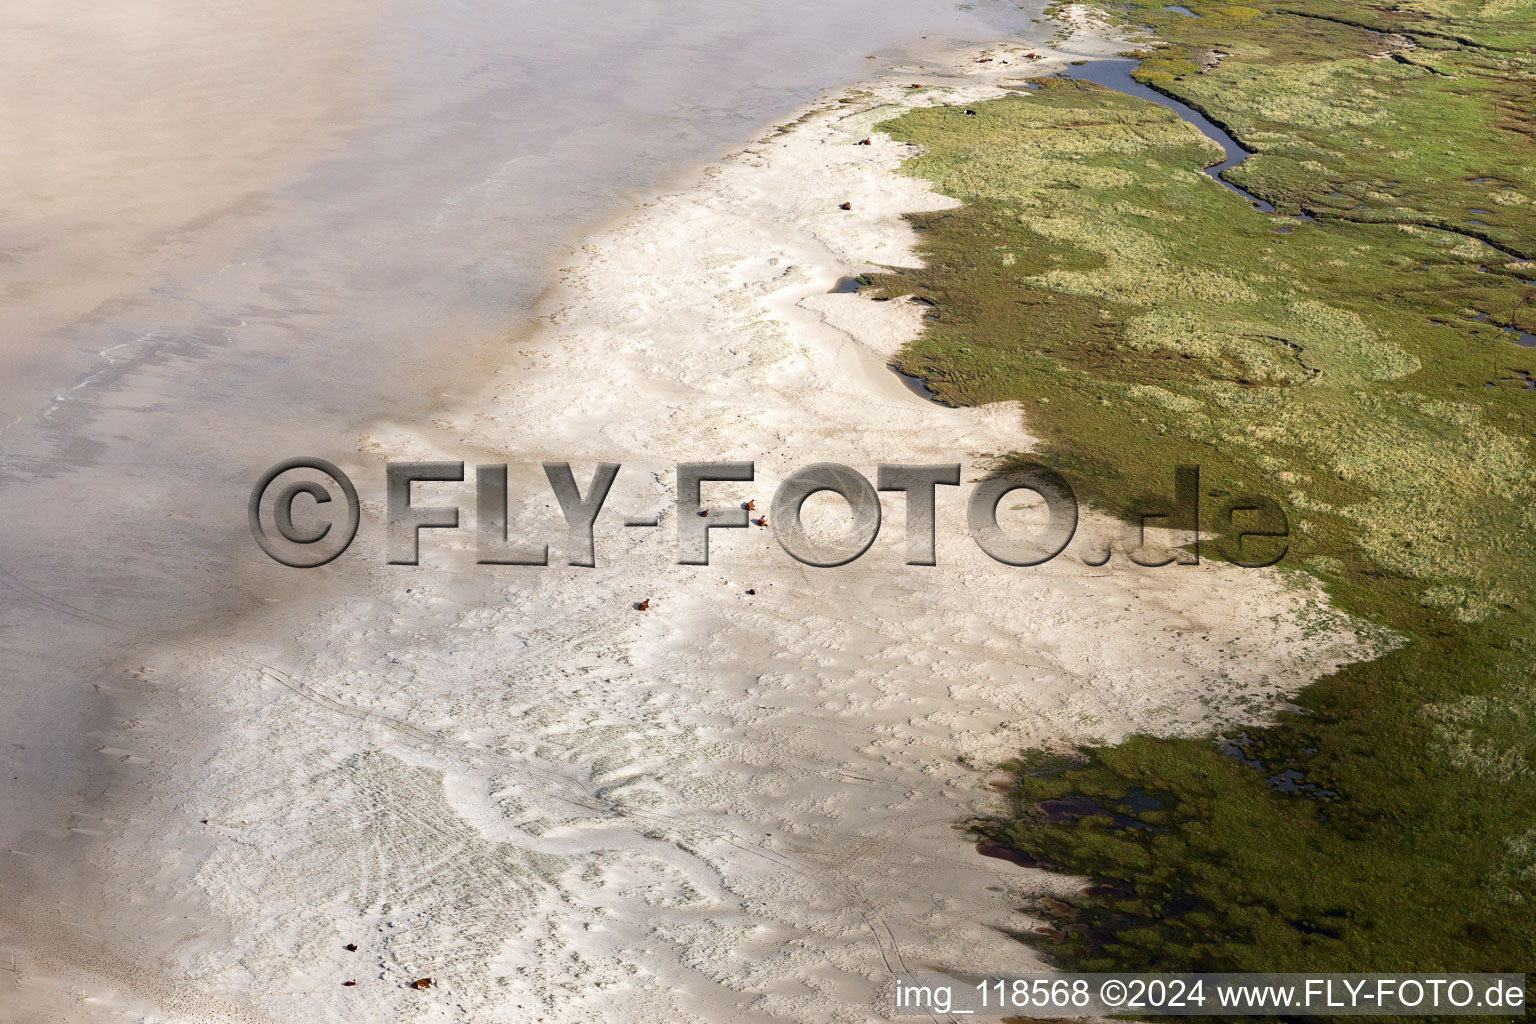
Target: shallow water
[(1514, 334), (1116, 74), (916, 385)]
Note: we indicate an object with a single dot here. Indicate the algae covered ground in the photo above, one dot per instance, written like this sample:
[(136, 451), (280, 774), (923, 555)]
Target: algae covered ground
[(1345, 356)]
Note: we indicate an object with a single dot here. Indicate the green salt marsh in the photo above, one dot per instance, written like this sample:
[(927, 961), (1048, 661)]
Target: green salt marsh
[(1349, 362)]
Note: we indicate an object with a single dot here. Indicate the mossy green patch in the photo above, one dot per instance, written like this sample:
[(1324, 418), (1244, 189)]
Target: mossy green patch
[(1149, 318), (1364, 114)]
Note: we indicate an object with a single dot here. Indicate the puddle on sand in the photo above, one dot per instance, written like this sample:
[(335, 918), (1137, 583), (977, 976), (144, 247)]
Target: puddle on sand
[(845, 285), (916, 385), (987, 848)]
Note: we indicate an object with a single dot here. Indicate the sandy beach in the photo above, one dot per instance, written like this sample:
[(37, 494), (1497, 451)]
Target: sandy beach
[(733, 806)]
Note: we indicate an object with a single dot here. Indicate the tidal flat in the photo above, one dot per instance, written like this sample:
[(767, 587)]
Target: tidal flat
[(1348, 354)]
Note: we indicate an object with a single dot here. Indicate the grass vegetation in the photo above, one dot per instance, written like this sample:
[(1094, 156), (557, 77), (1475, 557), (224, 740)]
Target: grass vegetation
[(1332, 110), (1147, 317)]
